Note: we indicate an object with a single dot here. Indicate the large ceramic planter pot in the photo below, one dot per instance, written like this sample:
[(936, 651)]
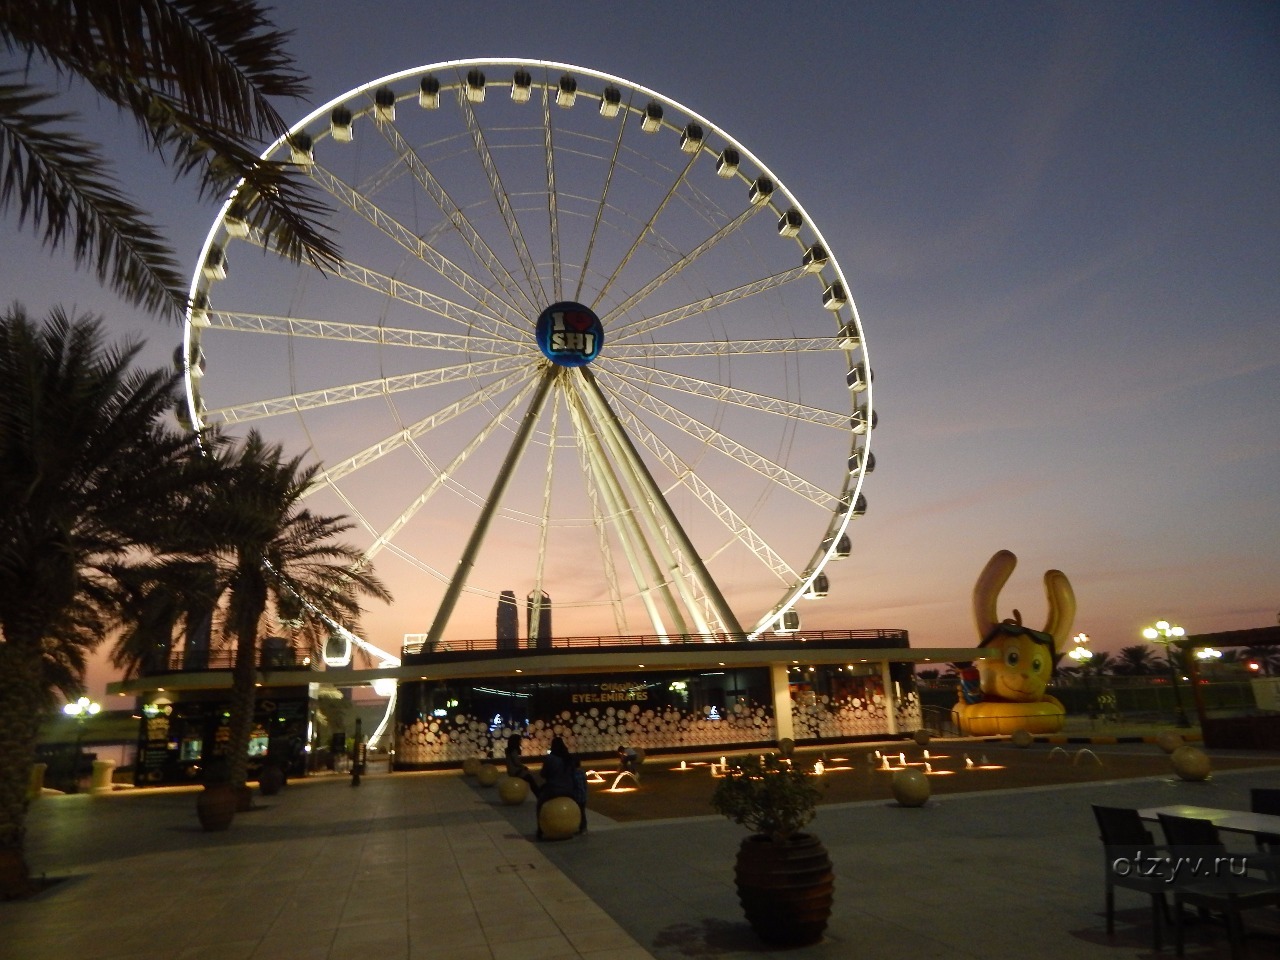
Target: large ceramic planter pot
[(216, 806), (785, 888)]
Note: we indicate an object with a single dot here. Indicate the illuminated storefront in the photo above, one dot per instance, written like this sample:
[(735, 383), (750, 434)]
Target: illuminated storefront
[(846, 688)]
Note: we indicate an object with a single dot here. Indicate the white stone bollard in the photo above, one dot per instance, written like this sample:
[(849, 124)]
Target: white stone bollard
[(103, 771)]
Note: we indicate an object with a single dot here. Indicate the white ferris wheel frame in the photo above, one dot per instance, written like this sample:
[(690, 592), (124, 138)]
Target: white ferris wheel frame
[(616, 443)]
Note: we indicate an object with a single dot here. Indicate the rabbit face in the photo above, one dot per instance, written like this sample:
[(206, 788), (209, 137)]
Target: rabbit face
[(1022, 671)]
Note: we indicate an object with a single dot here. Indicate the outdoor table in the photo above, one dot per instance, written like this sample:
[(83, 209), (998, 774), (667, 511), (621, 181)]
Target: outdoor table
[(1236, 821)]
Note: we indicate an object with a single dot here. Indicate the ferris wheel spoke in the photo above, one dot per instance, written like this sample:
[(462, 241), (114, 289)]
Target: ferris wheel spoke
[(261, 323), (553, 201), (455, 216), (603, 203), (645, 230), (649, 324), (500, 197), (413, 431), (388, 286), (654, 585), (440, 477), (346, 393), (497, 326), (721, 510), (735, 395), (722, 348), (682, 264), (394, 230), (743, 454)]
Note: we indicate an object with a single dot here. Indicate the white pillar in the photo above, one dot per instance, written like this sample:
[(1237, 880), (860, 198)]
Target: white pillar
[(890, 698), (780, 681)]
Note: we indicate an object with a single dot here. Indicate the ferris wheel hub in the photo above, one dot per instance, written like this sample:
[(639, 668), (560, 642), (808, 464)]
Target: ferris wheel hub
[(569, 334)]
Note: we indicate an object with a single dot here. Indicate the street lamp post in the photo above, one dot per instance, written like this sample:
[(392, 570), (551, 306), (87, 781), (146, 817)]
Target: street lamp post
[(1167, 634), (82, 710), (1082, 655)]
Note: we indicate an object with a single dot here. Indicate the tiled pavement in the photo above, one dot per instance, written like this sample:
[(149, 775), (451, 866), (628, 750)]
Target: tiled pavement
[(428, 866), (406, 866)]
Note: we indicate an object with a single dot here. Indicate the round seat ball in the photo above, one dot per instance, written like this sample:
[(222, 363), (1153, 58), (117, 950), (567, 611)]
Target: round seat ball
[(487, 775), (921, 737), (1022, 738), (559, 818), (512, 791), (471, 766), (910, 787), (1190, 763), (1169, 741)]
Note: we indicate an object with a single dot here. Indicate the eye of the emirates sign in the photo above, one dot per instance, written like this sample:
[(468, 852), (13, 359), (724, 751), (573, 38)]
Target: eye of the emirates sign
[(569, 334)]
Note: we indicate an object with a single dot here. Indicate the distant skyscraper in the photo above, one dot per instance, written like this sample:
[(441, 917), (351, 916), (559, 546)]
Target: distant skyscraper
[(508, 621), (539, 620)]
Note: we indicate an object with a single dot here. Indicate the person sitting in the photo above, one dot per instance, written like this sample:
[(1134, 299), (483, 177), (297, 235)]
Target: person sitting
[(629, 761), (515, 763), (562, 777)]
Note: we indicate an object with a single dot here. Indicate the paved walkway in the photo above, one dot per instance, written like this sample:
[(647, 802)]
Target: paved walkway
[(407, 866), (427, 866)]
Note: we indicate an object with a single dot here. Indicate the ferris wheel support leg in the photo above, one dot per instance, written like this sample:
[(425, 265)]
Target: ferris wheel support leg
[(669, 572), (709, 587), (629, 534), (505, 472)]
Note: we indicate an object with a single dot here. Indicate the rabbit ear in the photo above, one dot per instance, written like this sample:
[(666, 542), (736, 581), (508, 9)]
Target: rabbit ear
[(985, 592), (1062, 607)]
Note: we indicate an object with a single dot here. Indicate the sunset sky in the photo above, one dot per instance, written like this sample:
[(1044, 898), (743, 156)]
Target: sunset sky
[(1060, 223)]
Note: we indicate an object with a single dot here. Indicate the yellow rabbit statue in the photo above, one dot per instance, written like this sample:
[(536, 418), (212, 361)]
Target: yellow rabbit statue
[(1008, 692)]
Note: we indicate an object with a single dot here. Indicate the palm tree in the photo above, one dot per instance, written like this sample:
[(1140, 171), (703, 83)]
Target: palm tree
[(1137, 660), (196, 75), (92, 477), (274, 557), (1101, 664)]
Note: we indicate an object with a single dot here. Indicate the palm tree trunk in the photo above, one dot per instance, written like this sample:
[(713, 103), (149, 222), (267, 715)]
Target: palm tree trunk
[(243, 679), (23, 700)]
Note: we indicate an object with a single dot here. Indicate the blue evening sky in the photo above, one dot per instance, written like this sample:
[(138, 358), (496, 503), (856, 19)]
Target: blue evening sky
[(1061, 226)]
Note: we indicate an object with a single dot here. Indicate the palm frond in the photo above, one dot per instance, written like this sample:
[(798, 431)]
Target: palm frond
[(220, 60), (53, 178)]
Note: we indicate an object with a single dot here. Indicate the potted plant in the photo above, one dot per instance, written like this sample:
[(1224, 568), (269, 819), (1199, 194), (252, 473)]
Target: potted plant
[(784, 877), (216, 803)]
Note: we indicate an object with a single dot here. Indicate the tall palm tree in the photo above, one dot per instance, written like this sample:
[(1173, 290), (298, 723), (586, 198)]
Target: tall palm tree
[(1138, 660), (274, 557), (91, 478), (1101, 664), (197, 76)]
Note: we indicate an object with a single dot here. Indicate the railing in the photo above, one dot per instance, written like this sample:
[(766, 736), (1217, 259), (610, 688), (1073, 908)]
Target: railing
[(939, 721), (416, 643), (224, 659)]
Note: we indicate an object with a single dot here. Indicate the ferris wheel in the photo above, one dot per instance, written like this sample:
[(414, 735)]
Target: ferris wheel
[(583, 344)]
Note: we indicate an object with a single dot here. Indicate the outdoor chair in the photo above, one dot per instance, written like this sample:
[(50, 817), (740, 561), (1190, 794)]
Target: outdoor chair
[(1213, 887), (1125, 838), (1266, 800)]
